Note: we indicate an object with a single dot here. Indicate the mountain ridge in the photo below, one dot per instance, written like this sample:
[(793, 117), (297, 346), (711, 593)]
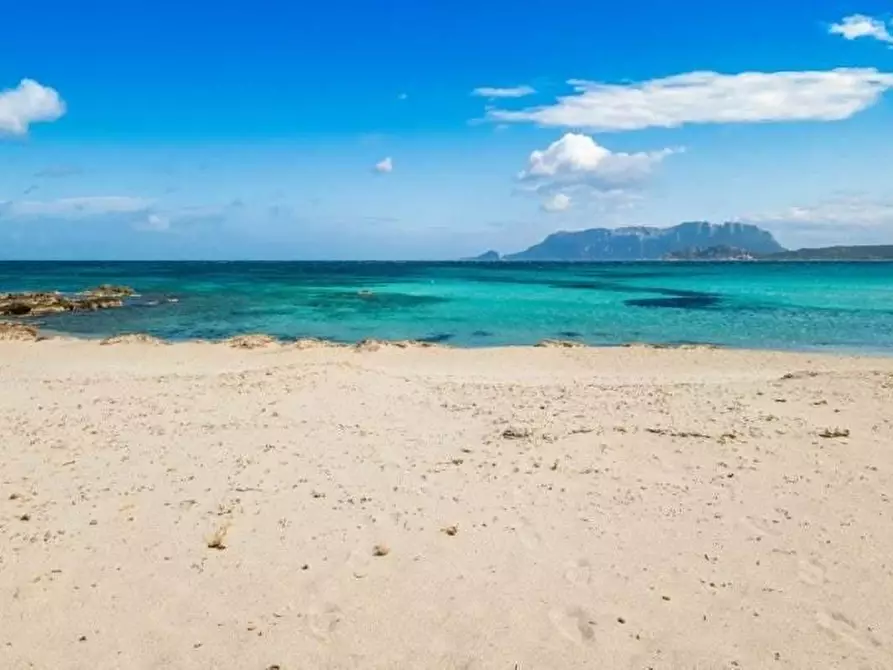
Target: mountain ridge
[(646, 242)]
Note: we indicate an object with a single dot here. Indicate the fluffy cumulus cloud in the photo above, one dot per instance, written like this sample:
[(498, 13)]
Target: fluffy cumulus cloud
[(859, 25), (577, 164), (384, 166), (578, 160), (508, 92), (27, 103), (709, 97), (554, 204)]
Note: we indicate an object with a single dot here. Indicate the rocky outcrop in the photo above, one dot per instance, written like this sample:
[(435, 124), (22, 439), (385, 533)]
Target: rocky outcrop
[(252, 341), (314, 343), (32, 304), (109, 291), (375, 345), (41, 303), (133, 338), (17, 332), (559, 344)]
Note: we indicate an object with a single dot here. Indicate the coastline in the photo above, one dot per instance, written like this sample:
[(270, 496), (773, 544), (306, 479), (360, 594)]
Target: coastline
[(200, 506), (264, 340)]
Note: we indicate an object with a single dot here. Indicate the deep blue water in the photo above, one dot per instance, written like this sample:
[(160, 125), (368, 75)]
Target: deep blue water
[(840, 306)]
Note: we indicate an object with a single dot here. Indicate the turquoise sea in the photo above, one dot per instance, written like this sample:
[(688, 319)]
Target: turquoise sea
[(836, 306)]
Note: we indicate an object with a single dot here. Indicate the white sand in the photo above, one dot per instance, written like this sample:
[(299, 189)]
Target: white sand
[(668, 509)]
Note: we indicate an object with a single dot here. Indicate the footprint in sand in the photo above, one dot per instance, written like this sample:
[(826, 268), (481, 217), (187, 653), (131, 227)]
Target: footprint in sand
[(840, 627), (811, 572), (357, 562), (573, 624), (579, 572), (759, 527), (528, 535), (323, 621)]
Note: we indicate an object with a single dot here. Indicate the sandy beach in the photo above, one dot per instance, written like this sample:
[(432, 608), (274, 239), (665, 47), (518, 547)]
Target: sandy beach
[(204, 506)]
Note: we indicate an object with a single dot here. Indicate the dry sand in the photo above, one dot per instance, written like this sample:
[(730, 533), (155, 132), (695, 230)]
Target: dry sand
[(202, 506)]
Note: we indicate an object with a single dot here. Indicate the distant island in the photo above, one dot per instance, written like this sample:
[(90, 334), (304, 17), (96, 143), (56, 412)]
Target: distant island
[(838, 253), (486, 257), (879, 252), (644, 243), (689, 241)]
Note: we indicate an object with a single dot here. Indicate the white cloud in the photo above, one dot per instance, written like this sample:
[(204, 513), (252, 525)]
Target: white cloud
[(385, 166), (848, 211), (559, 202), (28, 103), (852, 219), (859, 25), (75, 207), (139, 214), (510, 92), (578, 160), (709, 97), (155, 223)]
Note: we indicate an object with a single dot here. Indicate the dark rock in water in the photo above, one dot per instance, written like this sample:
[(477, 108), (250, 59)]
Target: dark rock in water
[(482, 333), (109, 291), (437, 338), (16, 309), (33, 304), (41, 303), (93, 303), (647, 243)]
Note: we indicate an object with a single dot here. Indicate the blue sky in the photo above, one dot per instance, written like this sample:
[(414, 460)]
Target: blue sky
[(403, 129)]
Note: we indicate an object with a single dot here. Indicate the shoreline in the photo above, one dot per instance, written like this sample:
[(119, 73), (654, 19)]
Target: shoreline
[(264, 341)]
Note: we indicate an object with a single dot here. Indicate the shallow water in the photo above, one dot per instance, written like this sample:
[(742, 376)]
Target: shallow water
[(839, 306)]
